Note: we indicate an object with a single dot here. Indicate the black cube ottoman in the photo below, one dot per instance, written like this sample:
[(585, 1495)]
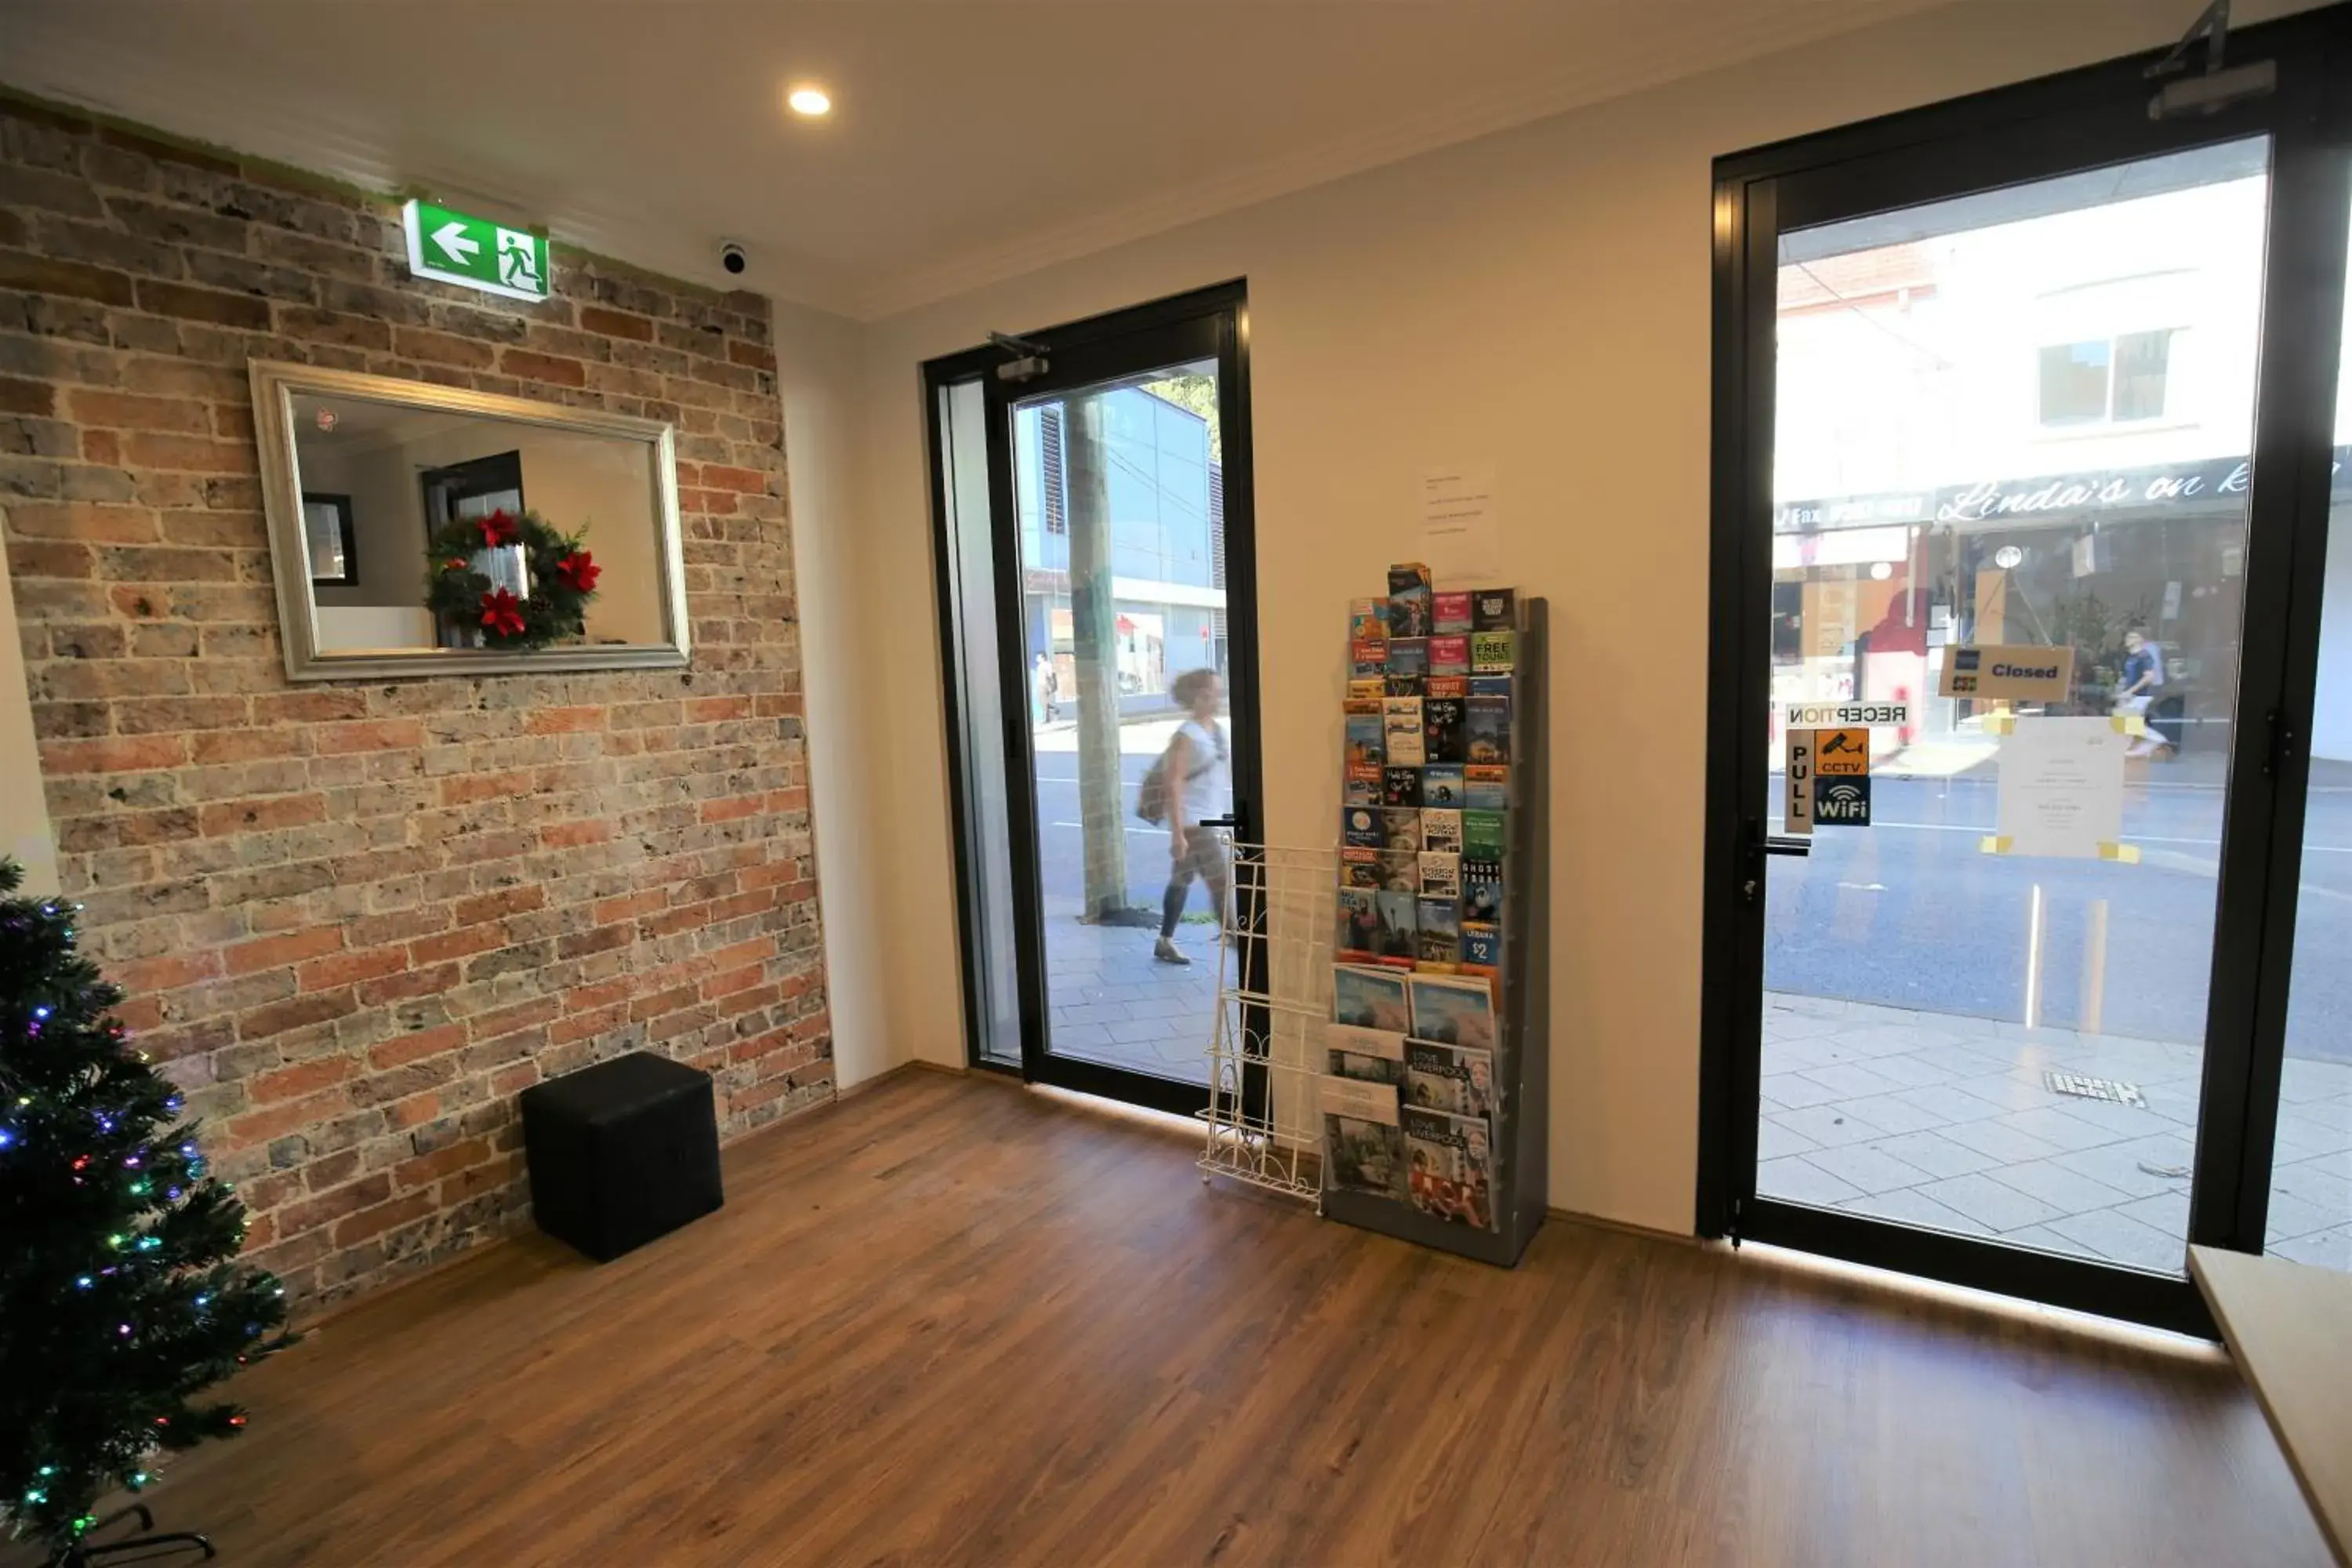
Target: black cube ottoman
[(621, 1152)]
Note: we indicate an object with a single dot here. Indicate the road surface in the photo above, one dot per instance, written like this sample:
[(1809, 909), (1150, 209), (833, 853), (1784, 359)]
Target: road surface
[(1911, 913)]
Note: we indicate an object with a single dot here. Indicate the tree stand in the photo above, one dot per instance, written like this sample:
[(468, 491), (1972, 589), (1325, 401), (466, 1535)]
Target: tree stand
[(149, 1542)]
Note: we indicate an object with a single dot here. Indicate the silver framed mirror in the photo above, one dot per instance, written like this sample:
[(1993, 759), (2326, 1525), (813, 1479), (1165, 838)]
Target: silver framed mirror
[(368, 479)]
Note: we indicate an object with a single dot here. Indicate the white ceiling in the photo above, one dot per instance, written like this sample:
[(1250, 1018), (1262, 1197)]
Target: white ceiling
[(971, 138)]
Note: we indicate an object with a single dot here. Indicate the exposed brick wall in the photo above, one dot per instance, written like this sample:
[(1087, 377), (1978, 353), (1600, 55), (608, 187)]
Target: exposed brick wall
[(356, 918)]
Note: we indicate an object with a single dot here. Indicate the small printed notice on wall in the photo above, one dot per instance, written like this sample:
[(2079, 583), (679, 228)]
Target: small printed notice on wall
[(2062, 789), (1461, 520)]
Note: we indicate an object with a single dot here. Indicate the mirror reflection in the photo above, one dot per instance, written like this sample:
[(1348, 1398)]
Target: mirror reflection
[(427, 529)]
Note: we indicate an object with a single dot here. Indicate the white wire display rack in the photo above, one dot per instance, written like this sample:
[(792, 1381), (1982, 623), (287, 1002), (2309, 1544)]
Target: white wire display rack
[(1273, 997)]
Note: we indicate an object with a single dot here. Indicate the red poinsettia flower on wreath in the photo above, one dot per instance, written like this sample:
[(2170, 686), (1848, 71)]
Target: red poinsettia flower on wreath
[(502, 613), (455, 563), (580, 570), (497, 529)]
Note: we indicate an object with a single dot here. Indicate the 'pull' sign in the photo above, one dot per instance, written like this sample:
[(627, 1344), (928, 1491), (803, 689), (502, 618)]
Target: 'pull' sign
[(1798, 808)]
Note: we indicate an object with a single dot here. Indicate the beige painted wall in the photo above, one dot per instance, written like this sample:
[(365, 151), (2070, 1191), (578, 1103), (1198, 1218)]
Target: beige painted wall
[(24, 816), (849, 724), (1540, 298)]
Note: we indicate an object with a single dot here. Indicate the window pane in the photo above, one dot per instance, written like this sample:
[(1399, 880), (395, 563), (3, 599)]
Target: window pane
[(2074, 382), (2141, 359), (1984, 1012)]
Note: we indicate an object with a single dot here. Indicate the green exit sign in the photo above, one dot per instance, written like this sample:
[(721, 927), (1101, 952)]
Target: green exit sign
[(475, 253)]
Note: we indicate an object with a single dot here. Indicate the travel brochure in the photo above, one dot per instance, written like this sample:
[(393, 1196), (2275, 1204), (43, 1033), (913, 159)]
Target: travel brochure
[(1411, 1095)]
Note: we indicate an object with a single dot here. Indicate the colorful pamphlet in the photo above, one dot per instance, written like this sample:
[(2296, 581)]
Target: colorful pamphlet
[(1368, 1056), (1449, 655), (1369, 998), (1488, 726), (1408, 658), (1482, 890), (1358, 928), (1359, 828), (1494, 610), (1372, 687), (1363, 1138), (1441, 829), (1456, 1079), (1366, 743), (1445, 728), (1360, 786), (1360, 869), (1367, 661), (1453, 1012), (1440, 932), (1400, 828), (1442, 783), (1441, 875), (1450, 1162), (1490, 652), (1368, 620), (1485, 787), (1400, 786), (1396, 942), (1409, 600), (1452, 614), (1400, 726), (1482, 948), (1482, 836), (1400, 870)]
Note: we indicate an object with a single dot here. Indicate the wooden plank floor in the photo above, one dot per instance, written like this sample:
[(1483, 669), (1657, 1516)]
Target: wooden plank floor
[(948, 1321)]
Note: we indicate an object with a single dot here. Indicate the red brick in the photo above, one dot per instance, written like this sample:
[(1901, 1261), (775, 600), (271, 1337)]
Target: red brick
[(333, 1205), (553, 372), (566, 721), (167, 973), (35, 397), (402, 1049), (573, 835), (347, 968), (383, 1217), (752, 355), (66, 280), (273, 952), (498, 905), (242, 311), (302, 1078), (470, 789), (426, 1169), (192, 453), (734, 810), (455, 944), (616, 323), (370, 736), (294, 1012), (743, 481), (125, 411), (261, 816), (94, 522), (122, 756), (287, 1116)]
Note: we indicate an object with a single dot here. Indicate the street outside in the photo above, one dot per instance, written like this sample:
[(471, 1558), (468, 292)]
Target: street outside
[(1909, 913), (1110, 1001)]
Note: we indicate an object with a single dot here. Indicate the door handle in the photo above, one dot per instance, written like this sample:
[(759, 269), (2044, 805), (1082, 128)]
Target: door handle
[(1787, 844)]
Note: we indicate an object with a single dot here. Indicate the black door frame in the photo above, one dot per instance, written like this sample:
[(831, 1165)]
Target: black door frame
[(2080, 120), (1207, 323)]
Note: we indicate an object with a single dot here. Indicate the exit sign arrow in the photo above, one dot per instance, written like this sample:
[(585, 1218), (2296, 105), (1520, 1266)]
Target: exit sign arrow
[(451, 238), (451, 247)]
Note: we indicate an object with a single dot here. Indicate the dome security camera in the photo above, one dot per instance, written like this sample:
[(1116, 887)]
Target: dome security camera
[(733, 257)]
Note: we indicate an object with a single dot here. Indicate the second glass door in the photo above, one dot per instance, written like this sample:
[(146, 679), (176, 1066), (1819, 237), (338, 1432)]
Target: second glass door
[(2016, 421), (1122, 456)]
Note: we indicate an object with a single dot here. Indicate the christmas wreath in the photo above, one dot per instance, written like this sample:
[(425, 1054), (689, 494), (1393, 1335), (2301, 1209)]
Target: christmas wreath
[(560, 574)]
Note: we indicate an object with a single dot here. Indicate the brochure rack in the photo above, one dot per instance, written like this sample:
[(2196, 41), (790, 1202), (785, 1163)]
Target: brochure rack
[(1522, 1059)]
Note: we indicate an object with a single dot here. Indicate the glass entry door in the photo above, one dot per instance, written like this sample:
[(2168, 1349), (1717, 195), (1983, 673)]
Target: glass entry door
[(2000, 690), (1120, 645)]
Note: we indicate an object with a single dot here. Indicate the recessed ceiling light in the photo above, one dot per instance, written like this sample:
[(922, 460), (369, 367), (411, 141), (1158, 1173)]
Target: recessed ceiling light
[(811, 102)]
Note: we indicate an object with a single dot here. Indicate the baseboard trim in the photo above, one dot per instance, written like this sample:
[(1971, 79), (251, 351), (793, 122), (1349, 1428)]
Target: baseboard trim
[(1625, 1227)]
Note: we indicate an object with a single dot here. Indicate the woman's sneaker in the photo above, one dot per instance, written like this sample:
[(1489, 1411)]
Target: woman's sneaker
[(1166, 952)]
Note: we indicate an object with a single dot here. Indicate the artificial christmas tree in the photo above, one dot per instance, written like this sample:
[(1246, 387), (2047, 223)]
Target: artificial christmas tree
[(120, 1296)]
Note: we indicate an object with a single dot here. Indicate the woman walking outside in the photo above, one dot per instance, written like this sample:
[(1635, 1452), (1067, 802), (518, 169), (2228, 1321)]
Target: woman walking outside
[(1199, 774)]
